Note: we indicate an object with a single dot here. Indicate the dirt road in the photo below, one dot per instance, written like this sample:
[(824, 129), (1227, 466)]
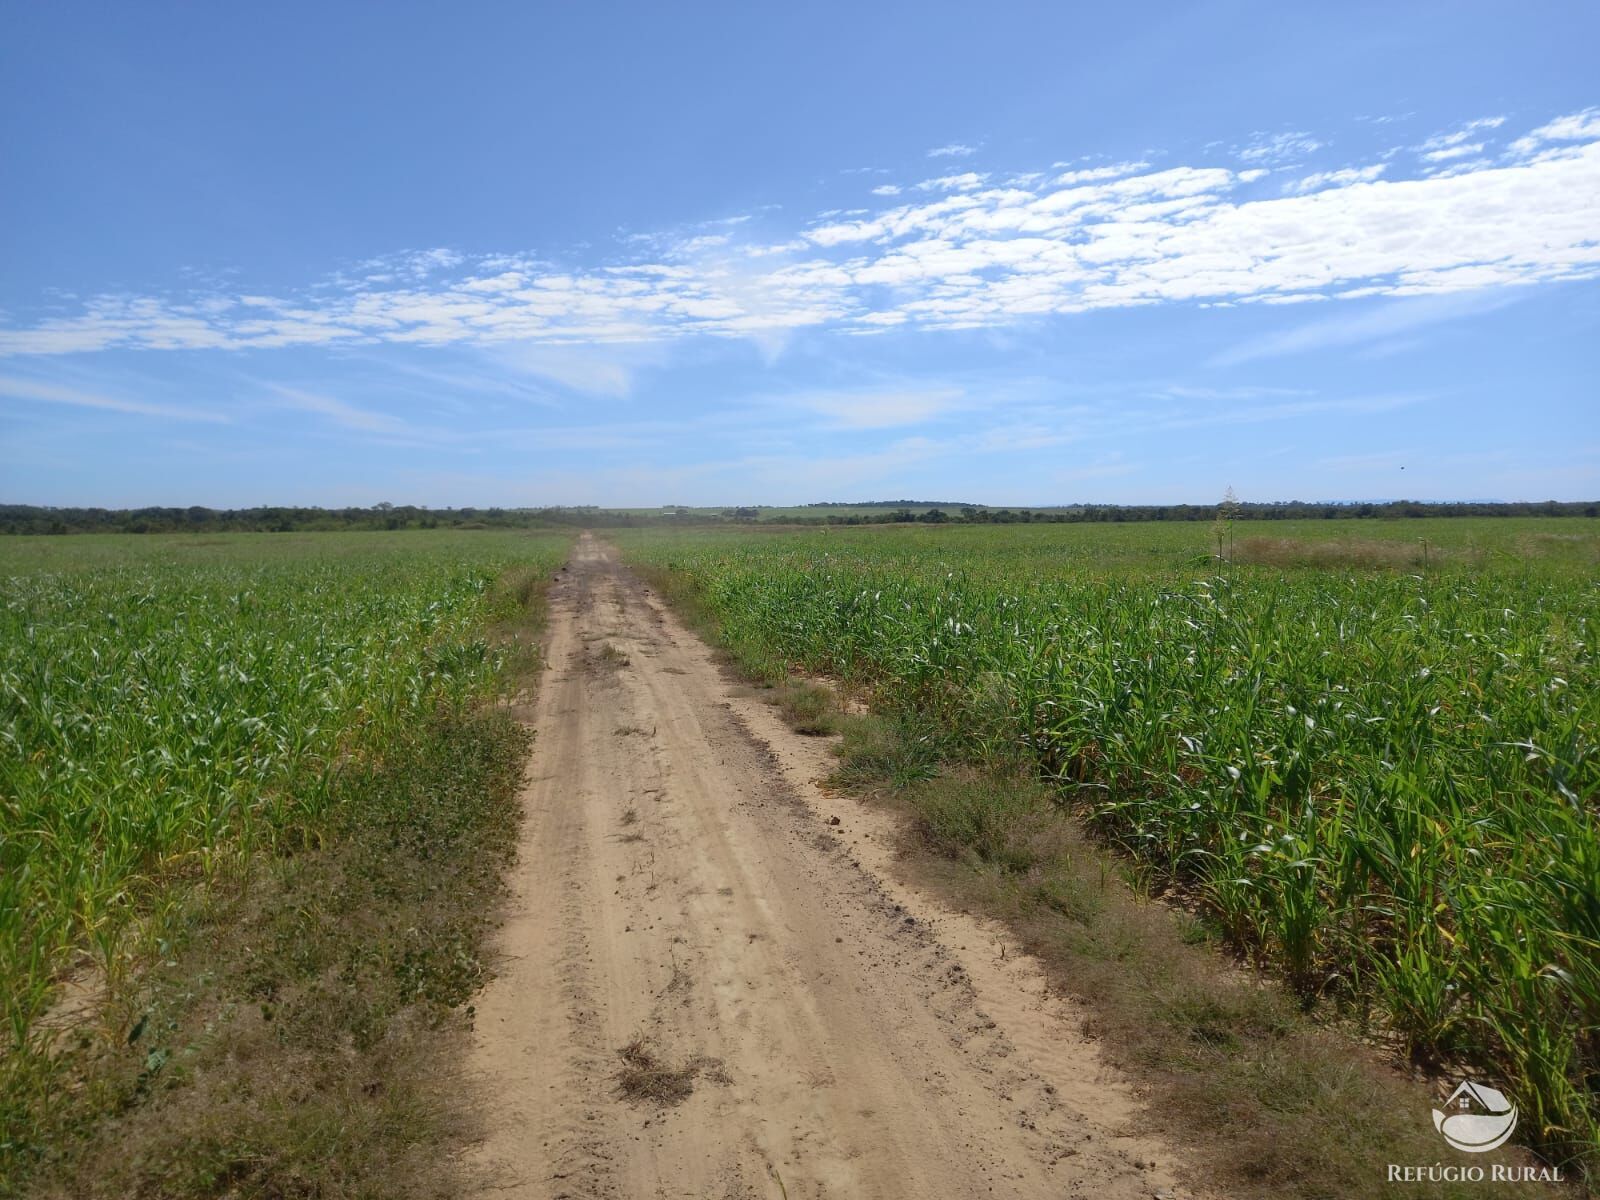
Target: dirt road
[(797, 1022)]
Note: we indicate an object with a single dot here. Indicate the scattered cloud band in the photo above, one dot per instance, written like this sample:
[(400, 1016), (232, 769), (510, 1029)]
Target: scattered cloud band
[(973, 255)]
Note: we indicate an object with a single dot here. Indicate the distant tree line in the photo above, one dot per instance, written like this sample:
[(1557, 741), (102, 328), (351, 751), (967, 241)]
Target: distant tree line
[(32, 519), (27, 518), (1280, 510)]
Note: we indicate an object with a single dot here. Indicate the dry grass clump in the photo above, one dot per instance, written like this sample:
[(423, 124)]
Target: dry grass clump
[(809, 708), (1362, 553), (645, 1077), (603, 661)]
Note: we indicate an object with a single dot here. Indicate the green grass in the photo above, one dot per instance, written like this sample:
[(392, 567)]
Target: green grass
[(301, 1036), (1263, 1099), (1364, 750), (171, 706)]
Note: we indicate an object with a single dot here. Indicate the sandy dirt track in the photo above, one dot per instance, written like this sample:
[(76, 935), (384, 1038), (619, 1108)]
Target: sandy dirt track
[(680, 885)]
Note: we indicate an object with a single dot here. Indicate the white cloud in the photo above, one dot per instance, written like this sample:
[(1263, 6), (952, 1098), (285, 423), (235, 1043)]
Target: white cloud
[(1458, 167), (1442, 147), (506, 281), (1277, 147), (1574, 127), (697, 245), (886, 189), (1091, 174), (953, 150), (1341, 178), (416, 264), (1448, 152), (965, 182), (973, 254)]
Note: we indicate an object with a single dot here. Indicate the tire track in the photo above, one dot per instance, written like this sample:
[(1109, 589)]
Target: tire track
[(679, 892)]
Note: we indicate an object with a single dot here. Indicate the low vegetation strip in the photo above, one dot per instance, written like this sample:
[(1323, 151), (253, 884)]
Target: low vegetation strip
[(1376, 778), (1264, 1100), (302, 1036), (175, 713)]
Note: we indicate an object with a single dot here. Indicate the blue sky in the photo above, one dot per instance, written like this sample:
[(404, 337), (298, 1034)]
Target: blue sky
[(636, 254)]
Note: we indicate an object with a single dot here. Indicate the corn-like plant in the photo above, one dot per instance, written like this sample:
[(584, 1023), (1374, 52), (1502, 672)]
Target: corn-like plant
[(160, 717), (1382, 783)]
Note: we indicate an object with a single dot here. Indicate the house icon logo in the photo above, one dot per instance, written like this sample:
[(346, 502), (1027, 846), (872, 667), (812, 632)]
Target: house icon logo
[(1476, 1118)]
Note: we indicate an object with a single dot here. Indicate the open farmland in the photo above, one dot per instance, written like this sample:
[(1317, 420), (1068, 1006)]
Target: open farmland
[(170, 705), (1367, 756)]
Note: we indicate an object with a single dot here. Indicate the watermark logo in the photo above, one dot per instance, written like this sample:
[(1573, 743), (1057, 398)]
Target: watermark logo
[(1476, 1118)]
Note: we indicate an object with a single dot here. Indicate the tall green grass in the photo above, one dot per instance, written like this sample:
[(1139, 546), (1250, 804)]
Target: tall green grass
[(1376, 777), (168, 705)]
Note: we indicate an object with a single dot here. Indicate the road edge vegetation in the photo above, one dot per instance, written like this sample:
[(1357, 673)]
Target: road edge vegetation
[(1266, 1097), (301, 1029)]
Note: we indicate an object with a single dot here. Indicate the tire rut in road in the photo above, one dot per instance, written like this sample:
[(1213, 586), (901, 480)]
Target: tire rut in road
[(807, 1028)]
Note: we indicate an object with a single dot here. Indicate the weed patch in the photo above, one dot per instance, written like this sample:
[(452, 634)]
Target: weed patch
[(645, 1077), (298, 1042), (809, 708)]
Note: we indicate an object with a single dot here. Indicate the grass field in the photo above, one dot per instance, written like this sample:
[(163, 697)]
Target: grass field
[(171, 705), (1365, 751)]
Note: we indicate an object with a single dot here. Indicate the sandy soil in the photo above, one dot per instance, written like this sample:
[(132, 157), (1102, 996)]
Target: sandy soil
[(682, 887)]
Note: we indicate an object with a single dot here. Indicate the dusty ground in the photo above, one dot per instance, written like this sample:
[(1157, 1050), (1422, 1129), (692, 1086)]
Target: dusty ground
[(681, 892)]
